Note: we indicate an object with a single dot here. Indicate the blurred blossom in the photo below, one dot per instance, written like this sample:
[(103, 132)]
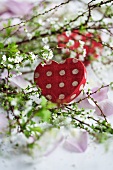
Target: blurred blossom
[(15, 8), (84, 45)]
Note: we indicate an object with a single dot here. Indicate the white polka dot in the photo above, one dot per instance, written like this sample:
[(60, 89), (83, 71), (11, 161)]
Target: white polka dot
[(49, 62), (36, 75), (81, 87), (73, 96), (75, 60), (49, 73), (49, 97), (61, 84), (85, 75), (75, 71), (62, 72), (75, 83), (61, 96), (48, 86)]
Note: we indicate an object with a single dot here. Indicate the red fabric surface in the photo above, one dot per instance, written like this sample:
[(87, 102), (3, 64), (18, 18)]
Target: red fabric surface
[(90, 44), (63, 82)]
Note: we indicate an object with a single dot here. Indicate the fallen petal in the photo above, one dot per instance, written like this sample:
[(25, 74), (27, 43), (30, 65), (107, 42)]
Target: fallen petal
[(15, 80), (3, 122), (77, 143), (18, 8), (106, 107), (84, 103), (54, 146), (101, 94), (19, 81)]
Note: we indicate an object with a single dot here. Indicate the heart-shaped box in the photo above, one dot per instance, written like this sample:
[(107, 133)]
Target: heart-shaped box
[(61, 82)]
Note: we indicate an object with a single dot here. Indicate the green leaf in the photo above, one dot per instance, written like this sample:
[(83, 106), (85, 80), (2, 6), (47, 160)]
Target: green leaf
[(50, 105), (82, 29), (1, 45), (44, 114), (36, 129), (44, 101)]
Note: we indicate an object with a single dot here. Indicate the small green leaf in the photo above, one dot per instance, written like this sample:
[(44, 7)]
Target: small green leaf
[(1, 45), (44, 101), (36, 129), (44, 114)]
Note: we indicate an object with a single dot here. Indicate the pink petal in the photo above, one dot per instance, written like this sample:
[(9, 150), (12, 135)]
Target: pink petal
[(3, 122), (77, 143), (5, 15), (100, 95), (19, 81), (4, 74), (19, 8), (106, 106), (15, 80), (84, 103)]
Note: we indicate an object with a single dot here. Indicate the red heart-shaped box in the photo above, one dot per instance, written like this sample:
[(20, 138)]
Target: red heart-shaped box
[(61, 82)]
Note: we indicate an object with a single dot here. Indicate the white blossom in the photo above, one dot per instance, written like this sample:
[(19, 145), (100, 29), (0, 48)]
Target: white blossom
[(16, 112), (47, 53), (14, 102), (10, 66), (81, 43), (4, 57), (68, 33), (70, 43), (33, 56), (29, 35), (45, 40), (18, 59), (84, 52), (81, 57), (10, 59), (46, 47)]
